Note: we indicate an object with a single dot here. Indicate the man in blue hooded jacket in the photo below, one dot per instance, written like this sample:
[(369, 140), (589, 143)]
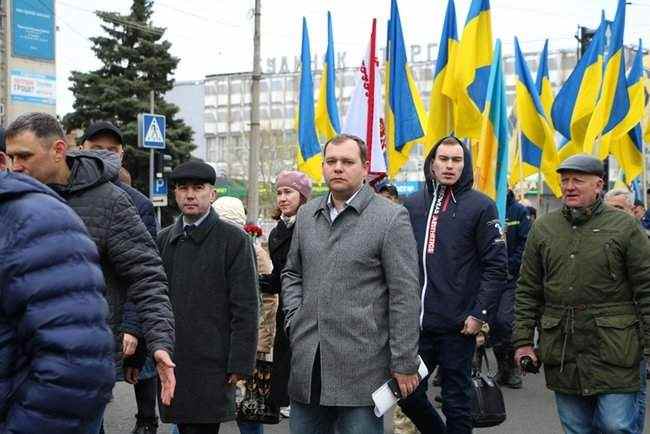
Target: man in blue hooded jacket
[(463, 267)]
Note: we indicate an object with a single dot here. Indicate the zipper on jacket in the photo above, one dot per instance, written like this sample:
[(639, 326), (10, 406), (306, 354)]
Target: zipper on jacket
[(424, 254)]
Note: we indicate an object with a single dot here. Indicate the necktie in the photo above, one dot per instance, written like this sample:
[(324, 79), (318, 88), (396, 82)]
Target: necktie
[(188, 230)]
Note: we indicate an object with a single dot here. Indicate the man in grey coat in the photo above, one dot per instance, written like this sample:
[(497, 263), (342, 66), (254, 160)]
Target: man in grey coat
[(350, 289)]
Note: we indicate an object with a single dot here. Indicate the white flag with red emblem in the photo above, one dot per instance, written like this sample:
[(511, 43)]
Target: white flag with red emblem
[(365, 117)]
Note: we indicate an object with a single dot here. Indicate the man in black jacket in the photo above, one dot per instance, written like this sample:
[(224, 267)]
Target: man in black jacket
[(130, 263), (463, 265), (213, 290), (105, 136)]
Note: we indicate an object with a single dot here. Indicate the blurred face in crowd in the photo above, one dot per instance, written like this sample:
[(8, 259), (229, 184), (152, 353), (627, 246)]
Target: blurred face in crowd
[(106, 142), (194, 198), (447, 166), (580, 189), (343, 169), (620, 202), (38, 158), (288, 201)]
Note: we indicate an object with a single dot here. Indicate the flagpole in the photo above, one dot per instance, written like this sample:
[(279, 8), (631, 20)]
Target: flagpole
[(644, 192)]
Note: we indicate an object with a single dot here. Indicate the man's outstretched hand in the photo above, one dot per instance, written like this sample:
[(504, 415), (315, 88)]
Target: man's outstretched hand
[(165, 368)]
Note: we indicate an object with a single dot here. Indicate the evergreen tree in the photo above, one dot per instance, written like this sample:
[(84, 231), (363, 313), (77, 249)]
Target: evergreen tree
[(135, 61)]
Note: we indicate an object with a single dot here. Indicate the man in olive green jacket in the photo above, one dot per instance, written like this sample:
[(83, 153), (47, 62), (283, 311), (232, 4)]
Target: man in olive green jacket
[(585, 284)]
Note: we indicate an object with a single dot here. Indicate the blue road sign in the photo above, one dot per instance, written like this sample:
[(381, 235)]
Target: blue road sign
[(33, 29), (160, 187), (151, 131)]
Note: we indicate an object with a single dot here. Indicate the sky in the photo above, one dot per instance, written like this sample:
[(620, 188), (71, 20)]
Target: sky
[(216, 36)]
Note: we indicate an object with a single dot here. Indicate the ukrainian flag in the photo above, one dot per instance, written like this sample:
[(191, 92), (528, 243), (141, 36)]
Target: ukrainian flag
[(628, 149), (405, 117), (309, 156), (327, 114), (613, 103), (467, 86), (545, 92), (441, 119), (538, 151), (543, 84), (574, 103), (491, 170)]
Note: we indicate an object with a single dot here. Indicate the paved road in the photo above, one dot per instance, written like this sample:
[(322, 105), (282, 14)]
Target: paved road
[(530, 410)]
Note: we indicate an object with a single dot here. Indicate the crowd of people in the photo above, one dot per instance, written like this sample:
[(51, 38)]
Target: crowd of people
[(354, 288)]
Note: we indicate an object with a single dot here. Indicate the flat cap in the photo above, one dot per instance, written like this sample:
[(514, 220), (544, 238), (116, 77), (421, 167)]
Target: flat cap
[(582, 163), (193, 170), (102, 127)]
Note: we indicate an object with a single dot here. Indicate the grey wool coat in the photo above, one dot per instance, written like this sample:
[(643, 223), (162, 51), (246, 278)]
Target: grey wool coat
[(213, 290), (351, 288)]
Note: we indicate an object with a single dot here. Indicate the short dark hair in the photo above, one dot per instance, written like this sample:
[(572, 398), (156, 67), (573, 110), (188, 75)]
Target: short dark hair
[(43, 125), (340, 138), (449, 141)]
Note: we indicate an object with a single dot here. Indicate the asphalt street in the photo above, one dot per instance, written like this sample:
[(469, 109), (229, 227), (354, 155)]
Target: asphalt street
[(530, 410)]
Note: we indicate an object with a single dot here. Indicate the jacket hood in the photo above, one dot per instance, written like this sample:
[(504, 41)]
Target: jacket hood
[(466, 179), (17, 184), (91, 168)]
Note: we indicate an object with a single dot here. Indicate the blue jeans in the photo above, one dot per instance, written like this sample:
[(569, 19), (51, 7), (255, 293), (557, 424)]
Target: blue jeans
[(453, 354), (321, 419), (250, 427), (641, 401), (610, 413)]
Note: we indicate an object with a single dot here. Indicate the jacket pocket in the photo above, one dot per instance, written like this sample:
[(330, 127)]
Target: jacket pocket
[(550, 340), (619, 340)]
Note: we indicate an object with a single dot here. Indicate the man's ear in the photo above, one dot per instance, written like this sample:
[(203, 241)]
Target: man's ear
[(59, 147)]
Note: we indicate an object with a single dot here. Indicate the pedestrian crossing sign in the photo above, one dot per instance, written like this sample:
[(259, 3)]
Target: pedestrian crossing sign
[(151, 131)]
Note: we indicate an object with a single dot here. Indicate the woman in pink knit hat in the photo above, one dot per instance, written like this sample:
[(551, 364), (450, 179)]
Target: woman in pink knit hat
[(293, 189)]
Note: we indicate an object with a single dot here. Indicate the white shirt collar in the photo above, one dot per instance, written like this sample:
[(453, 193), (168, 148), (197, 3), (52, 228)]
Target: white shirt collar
[(196, 223), (334, 213)]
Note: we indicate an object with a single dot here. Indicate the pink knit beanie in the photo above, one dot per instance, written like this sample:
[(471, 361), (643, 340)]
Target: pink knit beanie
[(296, 180)]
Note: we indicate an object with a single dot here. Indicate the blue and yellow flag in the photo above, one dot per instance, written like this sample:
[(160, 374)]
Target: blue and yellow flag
[(405, 117), (310, 160), (491, 168), (613, 103), (327, 114), (441, 107), (628, 149), (543, 84), (574, 103), (467, 85), (538, 152)]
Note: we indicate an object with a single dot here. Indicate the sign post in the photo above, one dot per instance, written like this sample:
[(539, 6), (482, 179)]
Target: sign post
[(151, 135)]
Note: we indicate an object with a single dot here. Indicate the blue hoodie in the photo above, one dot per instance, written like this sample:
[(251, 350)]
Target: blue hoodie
[(461, 248), (56, 350)]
